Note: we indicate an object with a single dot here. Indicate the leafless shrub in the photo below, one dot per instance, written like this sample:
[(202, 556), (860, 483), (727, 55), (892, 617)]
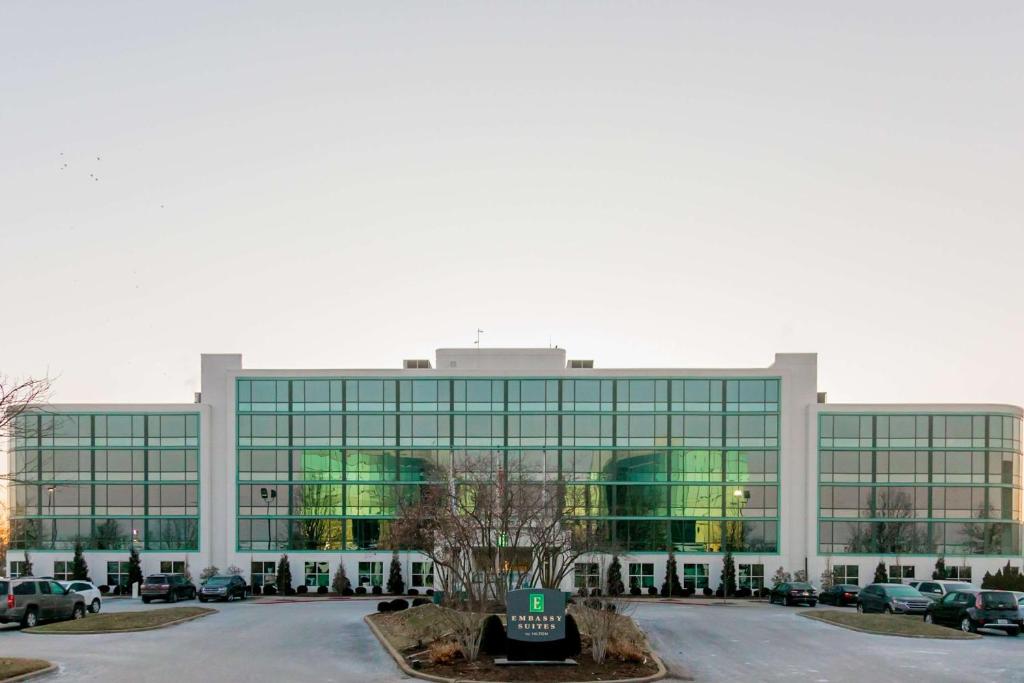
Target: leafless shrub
[(443, 652)]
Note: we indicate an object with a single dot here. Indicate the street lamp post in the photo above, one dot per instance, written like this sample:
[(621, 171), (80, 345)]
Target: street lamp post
[(51, 493), (741, 496), (268, 496)]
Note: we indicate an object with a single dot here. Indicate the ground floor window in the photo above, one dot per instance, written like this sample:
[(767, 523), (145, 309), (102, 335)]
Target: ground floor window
[(263, 573), (586, 575), (18, 568), (62, 570), (695, 576), (371, 574), (172, 567), (898, 572), (846, 573), (117, 573), (318, 574), (641, 574), (958, 573), (422, 574), (751, 576)]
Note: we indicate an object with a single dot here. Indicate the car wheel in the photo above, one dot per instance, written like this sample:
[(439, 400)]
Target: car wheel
[(967, 626), (1013, 632), (172, 597), (78, 612), (928, 619), (887, 610), (95, 606), (192, 594), (31, 618), (145, 601), (242, 596), (202, 599), (812, 603), (860, 608)]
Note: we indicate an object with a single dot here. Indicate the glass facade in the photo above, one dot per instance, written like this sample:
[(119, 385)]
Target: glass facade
[(685, 463), (935, 484), (111, 481)]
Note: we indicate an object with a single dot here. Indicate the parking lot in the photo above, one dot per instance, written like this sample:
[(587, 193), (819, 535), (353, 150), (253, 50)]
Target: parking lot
[(760, 642), (327, 641)]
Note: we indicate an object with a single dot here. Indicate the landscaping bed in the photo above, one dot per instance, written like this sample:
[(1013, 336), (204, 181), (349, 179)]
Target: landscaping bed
[(124, 621), (15, 666), (412, 632), (888, 625)]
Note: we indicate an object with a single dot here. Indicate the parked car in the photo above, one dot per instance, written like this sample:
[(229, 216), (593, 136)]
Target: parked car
[(30, 601), (936, 590), (92, 595), (974, 609), (840, 595), (169, 587), (1020, 602), (222, 588), (793, 593), (892, 598)]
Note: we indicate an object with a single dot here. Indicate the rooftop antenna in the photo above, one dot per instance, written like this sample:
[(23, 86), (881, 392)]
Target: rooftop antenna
[(478, 333)]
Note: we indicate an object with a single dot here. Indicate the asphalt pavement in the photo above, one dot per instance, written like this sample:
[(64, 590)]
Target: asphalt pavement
[(328, 641), (716, 643)]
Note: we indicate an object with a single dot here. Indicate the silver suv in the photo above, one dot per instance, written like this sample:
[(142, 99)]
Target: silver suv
[(936, 590), (30, 601)]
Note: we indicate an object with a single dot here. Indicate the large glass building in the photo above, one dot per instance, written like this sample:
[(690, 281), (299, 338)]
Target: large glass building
[(316, 463)]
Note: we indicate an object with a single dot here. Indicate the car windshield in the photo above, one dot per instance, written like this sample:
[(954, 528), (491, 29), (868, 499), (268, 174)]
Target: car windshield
[(800, 586), (156, 579), (998, 601), (219, 581), (902, 592)]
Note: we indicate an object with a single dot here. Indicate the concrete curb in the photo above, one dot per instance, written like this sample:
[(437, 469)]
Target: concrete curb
[(813, 616), (31, 674), (156, 627), (409, 671)]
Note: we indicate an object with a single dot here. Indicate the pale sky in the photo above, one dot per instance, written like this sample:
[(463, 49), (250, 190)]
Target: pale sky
[(678, 184)]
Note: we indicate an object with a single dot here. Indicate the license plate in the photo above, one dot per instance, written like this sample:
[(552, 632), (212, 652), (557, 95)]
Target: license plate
[(1001, 621)]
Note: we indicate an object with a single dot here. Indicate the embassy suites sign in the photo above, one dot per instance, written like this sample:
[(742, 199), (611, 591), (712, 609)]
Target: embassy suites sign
[(536, 614)]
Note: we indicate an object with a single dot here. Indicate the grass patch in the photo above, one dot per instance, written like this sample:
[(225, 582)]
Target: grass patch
[(888, 624), (15, 666), (123, 621), (415, 627)]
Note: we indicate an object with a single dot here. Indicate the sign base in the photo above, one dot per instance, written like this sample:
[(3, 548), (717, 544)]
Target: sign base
[(501, 661)]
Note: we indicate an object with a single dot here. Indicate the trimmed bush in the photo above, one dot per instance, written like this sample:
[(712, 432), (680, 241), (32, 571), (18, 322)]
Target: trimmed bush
[(399, 604), (256, 590), (595, 593), (104, 589), (321, 590), (383, 606), (420, 601), (492, 642), (429, 591), (269, 589), (413, 592), (361, 590), (743, 592), (651, 590), (348, 592), (377, 590), (302, 590), (707, 592), (635, 590)]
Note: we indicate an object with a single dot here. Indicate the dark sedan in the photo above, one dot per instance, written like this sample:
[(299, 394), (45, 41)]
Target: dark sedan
[(794, 593), (169, 587), (840, 595), (974, 609)]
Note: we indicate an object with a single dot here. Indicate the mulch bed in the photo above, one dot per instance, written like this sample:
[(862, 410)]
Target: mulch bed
[(484, 669)]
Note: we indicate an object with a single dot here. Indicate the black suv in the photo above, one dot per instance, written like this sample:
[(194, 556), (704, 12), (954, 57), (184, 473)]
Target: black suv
[(169, 587), (974, 609), (794, 593), (222, 588)]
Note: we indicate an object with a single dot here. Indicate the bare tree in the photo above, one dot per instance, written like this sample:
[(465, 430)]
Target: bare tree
[(17, 397), (603, 619)]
